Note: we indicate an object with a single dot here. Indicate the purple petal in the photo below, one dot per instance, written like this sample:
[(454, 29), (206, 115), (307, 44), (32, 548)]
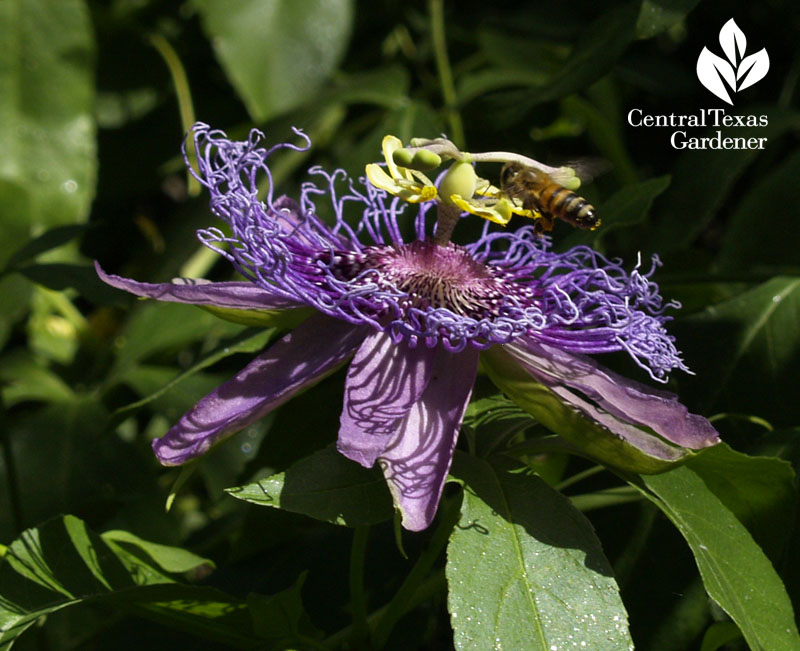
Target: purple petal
[(416, 462), (302, 357), (234, 295), (626, 399), (383, 382)]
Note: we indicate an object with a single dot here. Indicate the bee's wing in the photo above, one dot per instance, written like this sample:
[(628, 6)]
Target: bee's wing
[(584, 169)]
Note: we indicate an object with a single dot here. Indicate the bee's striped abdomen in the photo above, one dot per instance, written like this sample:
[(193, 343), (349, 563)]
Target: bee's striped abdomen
[(568, 206)]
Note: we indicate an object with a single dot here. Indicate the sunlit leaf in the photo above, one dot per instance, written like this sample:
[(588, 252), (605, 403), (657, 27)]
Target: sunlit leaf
[(62, 563), (525, 569), (277, 53), (325, 486), (736, 572), (47, 143)]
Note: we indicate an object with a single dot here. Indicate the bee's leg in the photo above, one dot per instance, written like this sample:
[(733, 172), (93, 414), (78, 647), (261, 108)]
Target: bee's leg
[(542, 225)]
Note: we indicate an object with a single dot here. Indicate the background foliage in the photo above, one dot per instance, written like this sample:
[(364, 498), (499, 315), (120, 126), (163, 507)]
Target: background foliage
[(94, 99)]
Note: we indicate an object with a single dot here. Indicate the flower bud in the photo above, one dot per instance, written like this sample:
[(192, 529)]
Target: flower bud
[(460, 180)]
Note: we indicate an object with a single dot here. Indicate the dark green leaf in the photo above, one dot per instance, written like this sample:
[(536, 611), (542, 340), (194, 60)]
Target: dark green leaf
[(525, 569), (624, 208), (63, 563), (656, 16), (759, 491), (158, 326), (83, 278), (736, 572), (325, 486), (277, 53), (152, 384), (47, 144), (281, 617), (746, 352), (26, 378), (51, 239), (693, 199), (769, 213)]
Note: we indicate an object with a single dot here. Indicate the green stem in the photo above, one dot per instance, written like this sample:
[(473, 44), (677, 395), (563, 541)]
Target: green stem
[(358, 597), (401, 603), (181, 83), (579, 477), (436, 8), (431, 586), (12, 479)]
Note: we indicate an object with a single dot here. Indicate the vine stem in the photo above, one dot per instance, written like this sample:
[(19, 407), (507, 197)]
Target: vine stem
[(358, 597), (181, 83), (449, 513), (12, 479), (436, 9)]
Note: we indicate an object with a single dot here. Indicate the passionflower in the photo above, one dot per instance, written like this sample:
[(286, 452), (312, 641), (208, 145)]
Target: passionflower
[(413, 311)]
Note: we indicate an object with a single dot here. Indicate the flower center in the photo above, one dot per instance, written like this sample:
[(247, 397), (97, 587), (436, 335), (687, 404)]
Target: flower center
[(432, 276)]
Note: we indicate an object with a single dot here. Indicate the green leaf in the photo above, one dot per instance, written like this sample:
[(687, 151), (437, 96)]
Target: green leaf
[(63, 563), (657, 16), (525, 569), (325, 486), (48, 240), (595, 52), (47, 144), (83, 278), (281, 617), (169, 559), (693, 199), (624, 208), (779, 194), (750, 347), (759, 491), (736, 572), (158, 326), (153, 383), (277, 53), (593, 440), (25, 378)]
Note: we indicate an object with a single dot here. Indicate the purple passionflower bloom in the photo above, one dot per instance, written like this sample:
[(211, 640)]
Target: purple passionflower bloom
[(414, 316)]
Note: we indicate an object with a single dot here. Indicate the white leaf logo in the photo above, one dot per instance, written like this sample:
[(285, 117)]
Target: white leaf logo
[(738, 72)]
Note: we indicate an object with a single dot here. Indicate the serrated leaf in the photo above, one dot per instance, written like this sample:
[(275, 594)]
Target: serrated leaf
[(325, 486), (63, 563), (47, 144), (525, 569), (735, 571), (277, 53)]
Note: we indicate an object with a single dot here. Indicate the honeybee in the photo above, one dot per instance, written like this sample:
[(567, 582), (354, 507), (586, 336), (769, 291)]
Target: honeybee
[(539, 191)]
